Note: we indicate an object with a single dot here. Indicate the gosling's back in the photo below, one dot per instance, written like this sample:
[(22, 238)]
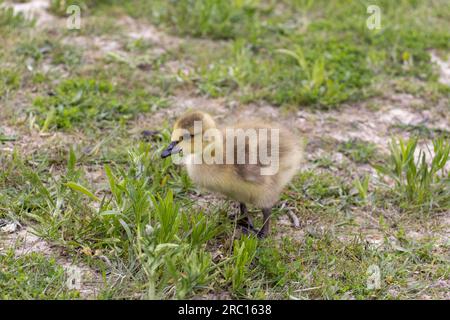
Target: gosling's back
[(249, 183)]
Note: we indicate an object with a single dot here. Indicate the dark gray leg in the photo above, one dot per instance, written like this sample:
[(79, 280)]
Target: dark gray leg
[(243, 208), (246, 220), (267, 212)]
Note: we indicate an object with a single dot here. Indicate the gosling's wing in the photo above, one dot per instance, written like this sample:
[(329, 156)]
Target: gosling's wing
[(249, 172), (282, 148), (247, 163)]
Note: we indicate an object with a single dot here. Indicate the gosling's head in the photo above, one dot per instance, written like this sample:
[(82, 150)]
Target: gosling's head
[(188, 129)]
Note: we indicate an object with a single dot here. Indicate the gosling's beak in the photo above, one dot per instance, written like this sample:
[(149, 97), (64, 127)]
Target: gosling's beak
[(171, 149)]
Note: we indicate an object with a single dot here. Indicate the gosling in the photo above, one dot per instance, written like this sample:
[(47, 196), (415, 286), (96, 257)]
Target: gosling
[(252, 165)]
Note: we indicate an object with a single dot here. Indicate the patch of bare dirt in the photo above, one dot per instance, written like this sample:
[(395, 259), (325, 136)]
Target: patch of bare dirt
[(139, 30), (444, 68), (113, 46), (358, 121), (31, 141), (36, 9), (95, 48), (177, 106)]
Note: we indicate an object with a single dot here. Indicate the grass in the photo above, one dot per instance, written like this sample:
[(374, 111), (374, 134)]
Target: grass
[(321, 62), (419, 184), (284, 76), (165, 247), (9, 20), (9, 81), (217, 19), (76, 100), (237, 272), (77, 171), (358, 151), (332, 269), (32, 276), (423, 131)]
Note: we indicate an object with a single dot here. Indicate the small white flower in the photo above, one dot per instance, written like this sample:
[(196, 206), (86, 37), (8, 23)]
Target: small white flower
[(149, 229)]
